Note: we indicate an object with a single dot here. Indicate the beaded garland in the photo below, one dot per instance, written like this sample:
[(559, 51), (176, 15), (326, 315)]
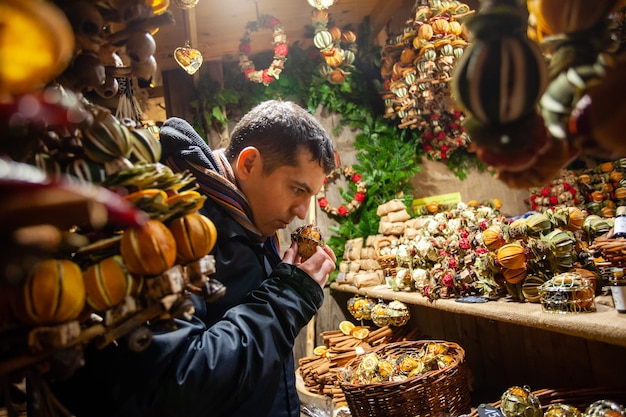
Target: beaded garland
[(281, 50), (344, 210)]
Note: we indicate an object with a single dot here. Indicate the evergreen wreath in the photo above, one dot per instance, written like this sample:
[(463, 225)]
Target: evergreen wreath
[(281, 49), (343, 210)]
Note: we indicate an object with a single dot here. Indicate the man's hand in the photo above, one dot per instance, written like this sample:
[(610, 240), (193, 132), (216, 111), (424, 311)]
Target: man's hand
[(319, 266)]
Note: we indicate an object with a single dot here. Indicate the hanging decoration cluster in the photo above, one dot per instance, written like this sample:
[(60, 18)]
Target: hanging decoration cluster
[(416, 68), (337, 48), (540, 90), (279, 39), (345, 209)]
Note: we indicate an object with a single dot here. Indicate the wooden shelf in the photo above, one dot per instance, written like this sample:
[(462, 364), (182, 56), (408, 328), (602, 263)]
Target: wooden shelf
[(604, 325)]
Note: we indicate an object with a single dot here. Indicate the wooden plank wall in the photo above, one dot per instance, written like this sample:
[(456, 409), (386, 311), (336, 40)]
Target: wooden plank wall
[(501, 354)]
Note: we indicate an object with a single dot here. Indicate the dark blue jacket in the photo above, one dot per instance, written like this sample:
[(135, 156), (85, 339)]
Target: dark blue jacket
[(234, 358)]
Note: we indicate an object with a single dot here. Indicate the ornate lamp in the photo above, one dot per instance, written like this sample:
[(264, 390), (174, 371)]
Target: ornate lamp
[(321, 4)]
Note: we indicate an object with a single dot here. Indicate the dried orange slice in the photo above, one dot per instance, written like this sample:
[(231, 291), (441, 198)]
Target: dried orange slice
[(385, 368), (148, 193), (369, 362), (346, 327), (320, 350), (37, 44), (190, 197), (360, 332)]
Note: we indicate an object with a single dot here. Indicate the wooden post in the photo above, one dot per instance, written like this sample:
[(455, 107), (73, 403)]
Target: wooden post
[(310, 327)]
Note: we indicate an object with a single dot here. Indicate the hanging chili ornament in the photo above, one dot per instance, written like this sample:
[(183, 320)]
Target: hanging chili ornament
[(272, 73), (359, 196)]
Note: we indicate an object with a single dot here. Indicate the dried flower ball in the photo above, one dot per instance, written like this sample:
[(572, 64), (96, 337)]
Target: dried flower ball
[(308, 238)]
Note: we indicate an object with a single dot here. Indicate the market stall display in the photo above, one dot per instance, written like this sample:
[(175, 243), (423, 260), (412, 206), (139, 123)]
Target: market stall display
[(463, 250), (135, 246)]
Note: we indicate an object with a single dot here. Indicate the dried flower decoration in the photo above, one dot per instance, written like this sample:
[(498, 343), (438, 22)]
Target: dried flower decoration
[(281, 50), (346, 209)]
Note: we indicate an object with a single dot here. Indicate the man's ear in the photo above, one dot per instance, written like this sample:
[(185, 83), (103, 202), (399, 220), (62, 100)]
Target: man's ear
[(248, 161)]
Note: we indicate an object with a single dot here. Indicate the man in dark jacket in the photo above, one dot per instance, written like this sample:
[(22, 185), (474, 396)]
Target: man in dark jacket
[(234, 357)]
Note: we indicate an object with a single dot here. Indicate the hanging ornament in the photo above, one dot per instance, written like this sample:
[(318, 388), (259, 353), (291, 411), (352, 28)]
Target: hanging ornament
[(361, 307), (188, 58), (398, 313), (186, 4), (380, 314), (417, 66), (321, 4)]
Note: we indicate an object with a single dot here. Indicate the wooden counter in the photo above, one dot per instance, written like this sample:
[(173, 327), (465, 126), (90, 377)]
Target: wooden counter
[(604, 325)]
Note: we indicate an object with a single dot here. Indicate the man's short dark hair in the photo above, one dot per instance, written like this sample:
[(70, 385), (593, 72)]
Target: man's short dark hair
[(280, 130)]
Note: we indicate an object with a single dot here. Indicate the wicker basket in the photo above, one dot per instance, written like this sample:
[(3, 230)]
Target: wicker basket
[(580, 398), (436, 393)]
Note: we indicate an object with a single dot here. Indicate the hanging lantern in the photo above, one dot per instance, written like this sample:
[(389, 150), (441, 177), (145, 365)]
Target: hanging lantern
[(321, 4)]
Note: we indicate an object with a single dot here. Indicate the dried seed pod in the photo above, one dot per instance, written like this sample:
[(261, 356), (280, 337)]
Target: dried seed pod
[(308, 238)]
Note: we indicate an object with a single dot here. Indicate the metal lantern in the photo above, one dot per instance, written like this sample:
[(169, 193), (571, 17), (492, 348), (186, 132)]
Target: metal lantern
[(186, 4), (321, 4)]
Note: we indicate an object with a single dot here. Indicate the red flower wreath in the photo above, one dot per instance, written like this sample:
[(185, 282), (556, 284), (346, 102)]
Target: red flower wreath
[(281, 50), (359, 196)]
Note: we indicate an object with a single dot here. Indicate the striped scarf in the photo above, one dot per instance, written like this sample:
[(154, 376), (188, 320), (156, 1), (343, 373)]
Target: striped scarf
[(185, 151)]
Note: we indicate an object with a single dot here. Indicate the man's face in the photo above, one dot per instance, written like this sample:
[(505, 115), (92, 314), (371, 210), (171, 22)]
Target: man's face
[(276, 199)]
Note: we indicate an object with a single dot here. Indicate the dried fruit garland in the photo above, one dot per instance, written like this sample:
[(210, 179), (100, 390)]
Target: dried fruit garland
[(337, 48), (344, 210), (417, 67), (561, 191), (281, 50)]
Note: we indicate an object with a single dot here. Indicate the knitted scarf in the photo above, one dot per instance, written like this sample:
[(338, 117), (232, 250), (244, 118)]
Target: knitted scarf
[(183, 150)]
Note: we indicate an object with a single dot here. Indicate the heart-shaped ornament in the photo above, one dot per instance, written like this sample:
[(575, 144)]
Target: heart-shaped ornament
[(188, 58)]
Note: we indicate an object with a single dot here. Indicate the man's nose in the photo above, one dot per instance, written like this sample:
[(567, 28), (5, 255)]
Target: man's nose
[(301, 209)]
